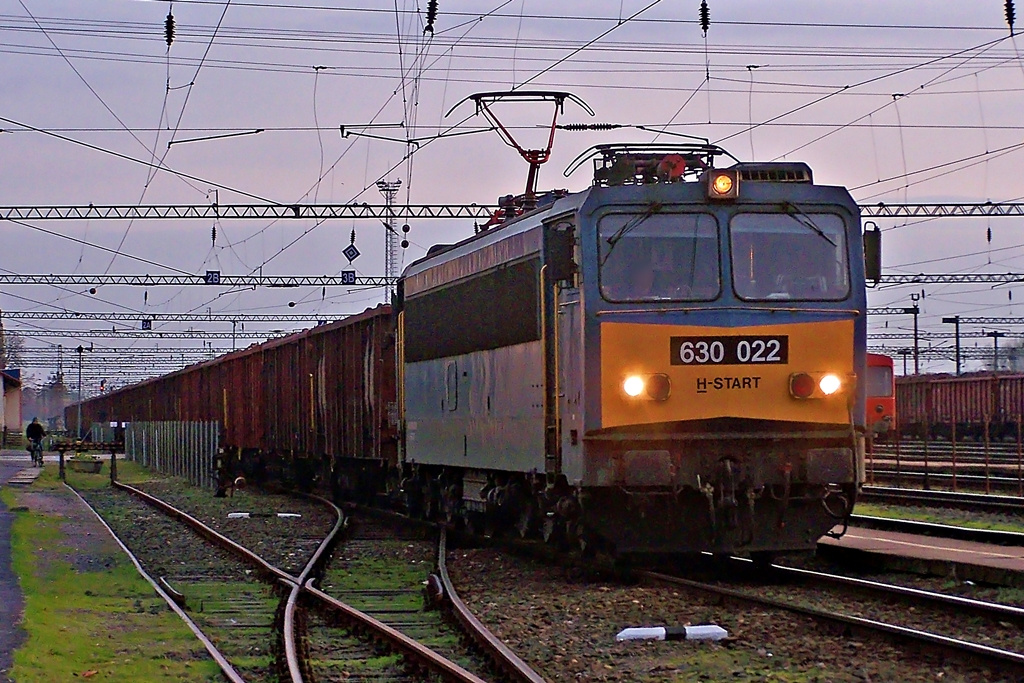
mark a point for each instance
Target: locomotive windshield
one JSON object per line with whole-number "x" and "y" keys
{"x": 791, "y": 256}
{"x": 659, "y": 257}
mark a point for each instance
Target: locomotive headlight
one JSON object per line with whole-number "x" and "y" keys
{"x": 634, "y": 385}
{"x": 724, "y": 184}
{"x": 830, "y": 384}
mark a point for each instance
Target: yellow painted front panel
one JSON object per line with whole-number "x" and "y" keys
{"x": 750, "y": 390}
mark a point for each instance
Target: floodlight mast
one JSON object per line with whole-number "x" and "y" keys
{"x": 534, "y": 157}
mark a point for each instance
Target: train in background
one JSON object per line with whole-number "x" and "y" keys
{"x": 666, "y": 362}
{"x": 961, "y": 406}
{"x": 881, "y": 395}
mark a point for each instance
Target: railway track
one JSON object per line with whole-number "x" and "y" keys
{"x": 317, "y": 627}
{"x": 955, "y": 499}
{"x": 988, "y": 634}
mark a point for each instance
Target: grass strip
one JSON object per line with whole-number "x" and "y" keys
{"x": 87, "y": 612}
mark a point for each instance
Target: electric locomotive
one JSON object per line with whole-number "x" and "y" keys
{"x": 667, "y": 362}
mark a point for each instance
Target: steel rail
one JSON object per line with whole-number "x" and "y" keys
{"x": 988, "y": 609}
{"x": 225, "y": 666}
{"x": 945, "y": 643}
{"x": 214, "y": 536}
{"x": 409, "y": 648}
{"x": 400, "y": 642}
{"x": 506, "y": 660}
{"x": 292, "y": 656}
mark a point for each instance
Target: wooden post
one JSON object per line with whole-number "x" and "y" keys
{"x": 61, "y": 470}
{"x": 113, "y": 463}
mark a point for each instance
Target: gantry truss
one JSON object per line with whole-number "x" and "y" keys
{"x": 410, "y": 211}
{"x": 882, "y": 210}
{"x": 925, "y": 336}
{"x": 146, "y": 334}
{"x": 213, "y": 277}
{"x": 176, "y": 317}
{"x": 942, "y": 352}
{"x": 350, "y": 279}
{"x": 891, "y": 279}
{"x": 894, "y": 310}
{"x": 233, "y": 211}
{"x": 966, "y": 320}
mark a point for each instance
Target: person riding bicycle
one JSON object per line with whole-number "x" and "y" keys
{"x": 35, "y": 433}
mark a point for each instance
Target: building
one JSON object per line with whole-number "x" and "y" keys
{"x": 10, "y": 409}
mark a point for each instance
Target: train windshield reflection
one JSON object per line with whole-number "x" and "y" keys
{"x": 791, "y": 256}
{"x": 659, "y": 257}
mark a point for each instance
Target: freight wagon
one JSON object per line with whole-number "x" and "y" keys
{"x": 939, "y": 404}
{"x": 314, "y": 408}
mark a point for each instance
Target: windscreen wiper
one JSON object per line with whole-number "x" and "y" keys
{"x": 796, "y": 213}
{"x": 629, "y": 226}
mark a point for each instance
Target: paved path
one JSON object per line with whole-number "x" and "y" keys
{"x": 10, "y": 592}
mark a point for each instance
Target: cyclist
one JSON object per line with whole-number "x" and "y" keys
{"x": 35, "y": 433}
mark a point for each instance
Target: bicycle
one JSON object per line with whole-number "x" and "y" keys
{"x": 36, "y": 450}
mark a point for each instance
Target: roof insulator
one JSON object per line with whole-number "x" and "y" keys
{"x": 705, "y": 16}
{"x": 1010, "y": 14}
{"x": 431, "y": 16}
{"x": 169, "y": 28}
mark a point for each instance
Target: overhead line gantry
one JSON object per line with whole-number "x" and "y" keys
{"x": 346, "y": 278}
{"x": 175, "y": 317}
{"x": 412, "y": 211}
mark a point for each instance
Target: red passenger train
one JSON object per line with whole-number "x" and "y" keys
{"x": 881, "y": 395}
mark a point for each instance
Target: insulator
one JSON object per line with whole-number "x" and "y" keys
{"x": 352, "y": 240}
{"x": 213, "y": 235}
{"x": 431, "y": 16}
{"x": 145, "y": 297}
{"x": 405, "y": 244}
{"x": 323, "y": 293}
{"x": 989, "y": 235}
{"x": 705, "y": 17}
{"x": 405, "y": 228}
{"x": 1010, "y": 15}
{"x": 589, "y": 126}
{"x": 169, "y": 29}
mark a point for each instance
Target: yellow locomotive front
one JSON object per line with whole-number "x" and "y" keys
{"x": 708, "y": 363}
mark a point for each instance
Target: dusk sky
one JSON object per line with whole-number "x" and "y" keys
{"x": 898, "y": 101}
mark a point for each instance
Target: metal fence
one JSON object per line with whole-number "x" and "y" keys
{"x": 181, "y": 449}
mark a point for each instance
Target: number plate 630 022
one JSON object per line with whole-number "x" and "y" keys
{"x": 729, "y": 350}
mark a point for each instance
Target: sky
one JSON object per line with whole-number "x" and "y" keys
{"x": 901, "y": 102}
